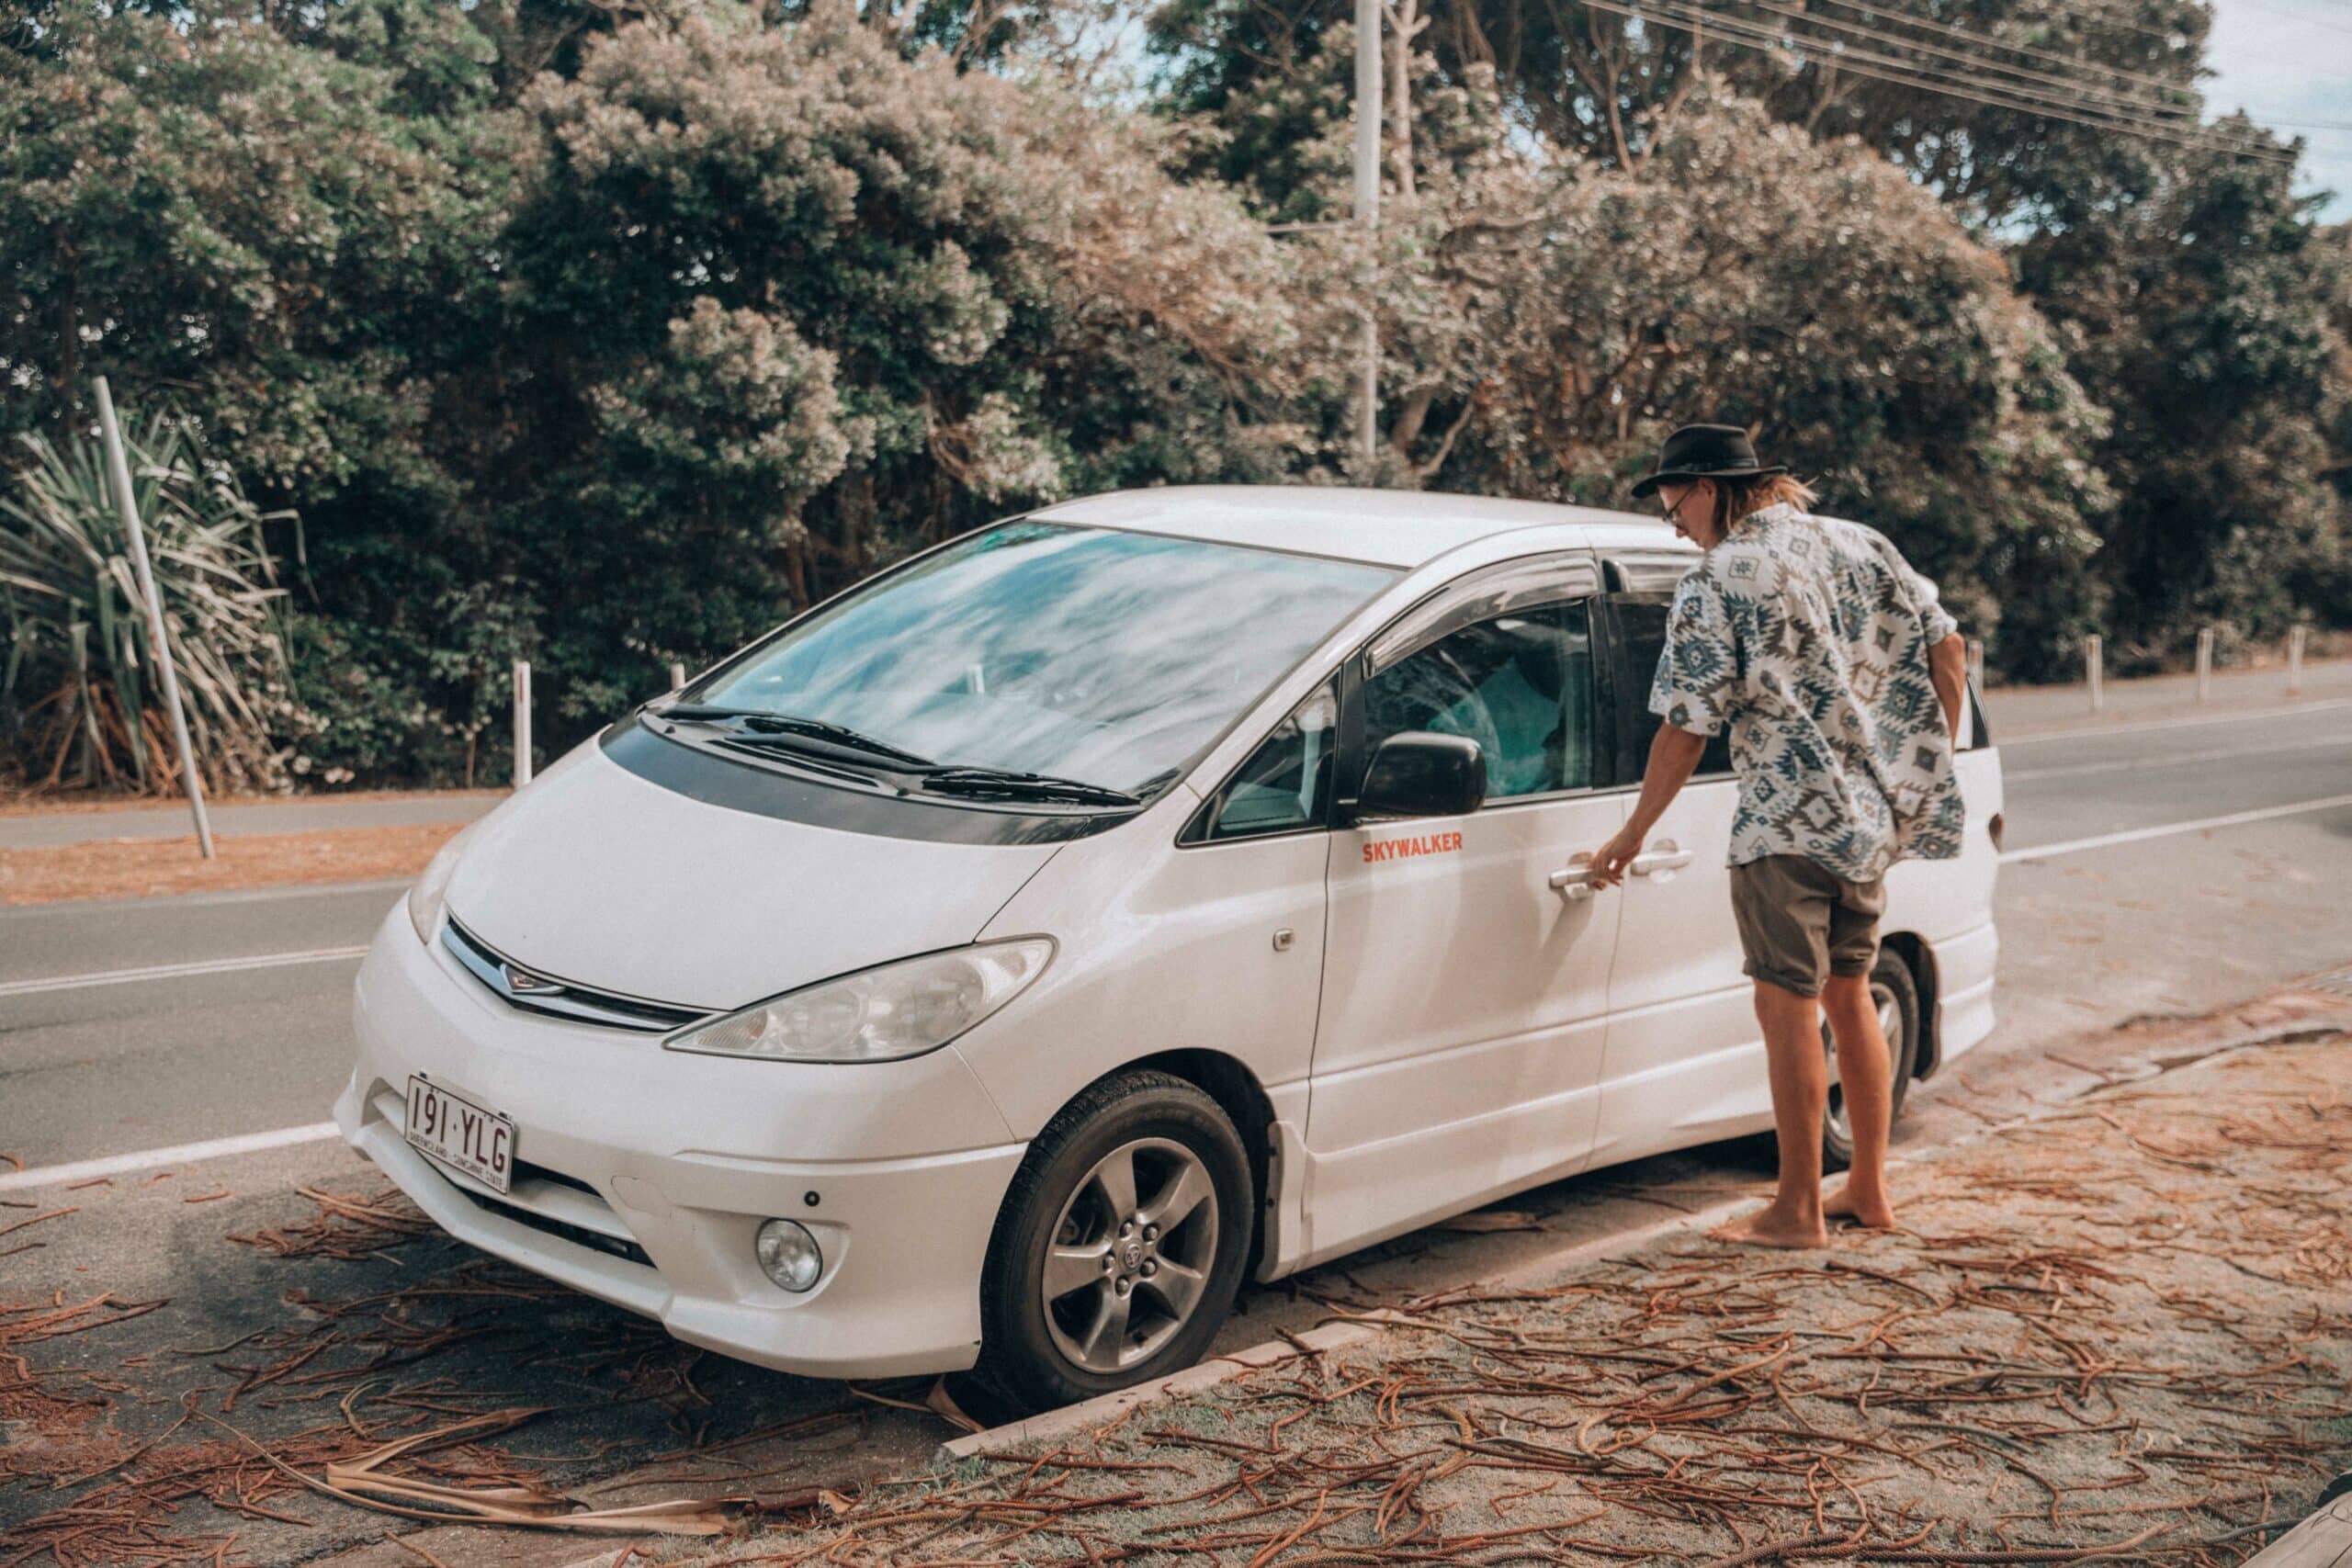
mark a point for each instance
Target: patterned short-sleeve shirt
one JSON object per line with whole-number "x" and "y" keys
{"x": 1809, "y": 636}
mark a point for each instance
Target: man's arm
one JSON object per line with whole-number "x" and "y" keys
{"x": 1674, "y": 756}
{"x": 1947, "y": 666}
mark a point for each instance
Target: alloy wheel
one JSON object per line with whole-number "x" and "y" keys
{"x": 1130, "y": 1255}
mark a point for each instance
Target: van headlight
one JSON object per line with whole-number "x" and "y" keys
{"x": 424, "y": 898}
{"x": 880, "y": 1014}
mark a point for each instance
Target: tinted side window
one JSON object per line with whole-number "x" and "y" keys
{"x": 1521, "y": 685}
{"x": 1287, "y": 783}
{"x": 1641, "y": 619}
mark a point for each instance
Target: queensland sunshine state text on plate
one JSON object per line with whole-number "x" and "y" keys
{"x": 461, "y": 1134}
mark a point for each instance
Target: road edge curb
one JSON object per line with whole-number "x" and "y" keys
{"x": 1103, "y": 1409}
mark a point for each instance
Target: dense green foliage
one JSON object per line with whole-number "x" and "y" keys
{"x": 67, "y": 582}
{"x": 609, "y": 336}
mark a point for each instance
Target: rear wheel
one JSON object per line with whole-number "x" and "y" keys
{"x": 1121, "y": 1244}
{"x": 1895, "y": 996}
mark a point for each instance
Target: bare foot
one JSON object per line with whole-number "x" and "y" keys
{"x": 1768, "y": 1227}
{"x": 1877, "y": 1215}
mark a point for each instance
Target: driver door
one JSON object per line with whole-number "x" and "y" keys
{"x": 1466, "y": 963}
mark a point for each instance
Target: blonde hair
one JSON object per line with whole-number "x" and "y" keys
{"x": 1779, "y": 488}
{"x": 1735, "y": 499}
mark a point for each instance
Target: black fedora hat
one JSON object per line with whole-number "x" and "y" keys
{"x": 1706, "y": 452}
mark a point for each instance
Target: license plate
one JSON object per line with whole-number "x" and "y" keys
{"x": 461, "y": 1134}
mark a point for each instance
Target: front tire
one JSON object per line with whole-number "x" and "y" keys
{"x": 1896, "y": 995}
{"x": 1121, "y": 1244}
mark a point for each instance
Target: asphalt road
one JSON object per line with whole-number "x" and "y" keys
{"x": 2172, "y": 922}
{"x": 117, "y": 1063}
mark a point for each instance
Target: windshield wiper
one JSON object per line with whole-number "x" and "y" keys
{"x": 1012, "y": 785}
{"x": 763, "y": 725}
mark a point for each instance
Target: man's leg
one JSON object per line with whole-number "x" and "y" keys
{"x": 1865, "y": 1076}
{"x": 1800, "y": 1093}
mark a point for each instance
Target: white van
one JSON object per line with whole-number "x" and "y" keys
{"x": 998, "y": 962}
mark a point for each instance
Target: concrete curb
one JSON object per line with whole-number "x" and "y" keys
{"x": 1088, "y": 1413}
{"x": 2321, "y": 1540}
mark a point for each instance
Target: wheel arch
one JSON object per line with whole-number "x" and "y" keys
{"x": 1921, "y": 960}
{"x": 1228, "y": 1081}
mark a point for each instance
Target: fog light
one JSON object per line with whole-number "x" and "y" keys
{"x": 789, "y": 1254}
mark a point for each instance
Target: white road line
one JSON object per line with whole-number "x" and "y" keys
{"x": 180, "y": 1154}
{"x": 197, "y": 901}
{"x": 2091, "y": 731}
{"x": 2176, "y": 760}
{"x": 177, "y": 971}
{"x": 2134, "y": 835}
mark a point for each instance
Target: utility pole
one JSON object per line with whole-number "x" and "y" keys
{"x": 1368, "y": 218}
{"x": 118, "y": 467}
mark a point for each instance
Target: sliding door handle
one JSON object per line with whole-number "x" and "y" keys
{"x": 1575, "y": 881}
{"x": 1661, "y": 859}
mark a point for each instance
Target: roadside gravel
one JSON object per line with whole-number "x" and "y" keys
{"x": 2119, "y": 1329}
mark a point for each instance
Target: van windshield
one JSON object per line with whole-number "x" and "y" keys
{"x": 1085, "y": 653}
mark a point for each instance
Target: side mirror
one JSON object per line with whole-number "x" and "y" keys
{"x": 1421, "y": 773}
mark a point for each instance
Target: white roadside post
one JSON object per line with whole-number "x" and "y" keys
{"x": 118, "y": 465}
{"x": 2095, "y": 666}
{"x": 2295, "y": 636}
{"x": 522, "y": 722}
{"x": 677, "y": 675}
{"x": 1367, "y": 215}
{"x": 2205, "y": 664}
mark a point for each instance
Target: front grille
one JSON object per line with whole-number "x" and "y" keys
{"x": 525, "y": 1171}
{"x": 579, "y": 1235}
{"x": 531, "y": 991}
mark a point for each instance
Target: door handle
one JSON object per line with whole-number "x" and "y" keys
{"x": 1575, "y": 881}
{"x": 1661, "y": 859}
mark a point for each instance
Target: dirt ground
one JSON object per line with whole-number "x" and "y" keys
{"x": 19, "y": 802}
{"x": 2119, "y": 1329}
{"x": 141, "y": 868}
{"x": 2115, "y": 1329}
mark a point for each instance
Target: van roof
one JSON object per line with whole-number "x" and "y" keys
{"x": 1391, "y": 527}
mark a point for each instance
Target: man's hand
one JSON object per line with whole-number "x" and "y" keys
{"x": 1674, "y": 754}
{"x": 1609, "y": 861}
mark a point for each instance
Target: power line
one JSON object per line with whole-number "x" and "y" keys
{"x": 2127, "y": 102}
{"x": 2109, "y": 14}
{"x": 1912, "y": 73}
{"x": 2192, "y": 101}
{"x": 1949, "y": 31}
{"x": 1698, "y": 20}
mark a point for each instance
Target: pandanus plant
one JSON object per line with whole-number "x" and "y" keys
{"x": 78, "y": 673}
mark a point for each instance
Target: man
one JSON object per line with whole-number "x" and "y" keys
{"x": 1821, "y": 649}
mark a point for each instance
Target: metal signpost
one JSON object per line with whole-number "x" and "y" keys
{"x": 119, "y": 467}
{"x": 1367, "y": 215}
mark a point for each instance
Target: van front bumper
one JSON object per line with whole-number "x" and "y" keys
{"x": 642, "y": 1176}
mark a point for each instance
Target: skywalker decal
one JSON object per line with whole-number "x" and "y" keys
{"x": 1425, "y": 844}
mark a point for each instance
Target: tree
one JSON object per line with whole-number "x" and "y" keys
{"x": 787, "y": 304}
{"x": 2200, "y": 317}
{"x": 207, "y": 207}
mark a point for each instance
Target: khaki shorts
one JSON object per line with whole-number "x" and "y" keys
{"x": 1800, "y": 922}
